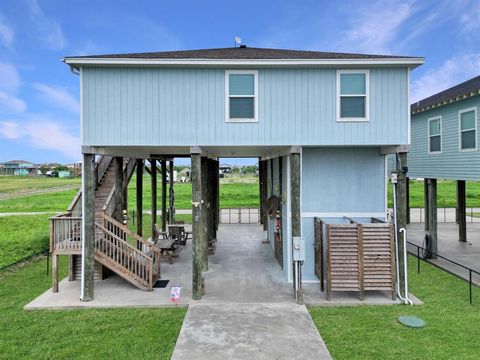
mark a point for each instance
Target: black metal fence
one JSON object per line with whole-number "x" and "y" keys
{"x": 28, "y": 258}
{"x": 471, "y": 276}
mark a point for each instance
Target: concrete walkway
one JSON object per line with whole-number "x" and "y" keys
{"x": 249, "y": 331}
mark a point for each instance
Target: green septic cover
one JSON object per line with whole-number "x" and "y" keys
{"x": 411, "y": 321}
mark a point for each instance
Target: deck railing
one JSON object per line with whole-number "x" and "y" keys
{"x": 65, "y": 234}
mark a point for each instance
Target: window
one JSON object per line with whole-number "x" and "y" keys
{"x": 468, "y": 129}
{"x": 241, "y": 101}
{"x": 435, "y": 135}
{"x": 352, "y": 95}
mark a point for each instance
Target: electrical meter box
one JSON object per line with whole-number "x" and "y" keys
{"x": 298, "y": 248}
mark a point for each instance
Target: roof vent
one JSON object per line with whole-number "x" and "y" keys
{"x": 243, "y": 46}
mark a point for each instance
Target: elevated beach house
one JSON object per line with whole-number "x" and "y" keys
{"x": 445, "y": 146}
{"x": 321, "y": 124}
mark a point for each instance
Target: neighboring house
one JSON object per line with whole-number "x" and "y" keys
{"x": 445, "y": 144}
{"x": 321, "y": 122}
{"x": 18, "y": 168}
{"x": 225, "y": 168}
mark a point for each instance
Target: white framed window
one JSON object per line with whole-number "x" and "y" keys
{"x": 435, "y": 135}
{"x": 353, "y": 87}
{"x": 467, "y": 129}
{"x": 241, "y": 95}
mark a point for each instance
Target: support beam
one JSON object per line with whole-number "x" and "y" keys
{"x": 204, "y": 219}
{"x": 197, "y": 232}
{"x": 119, "y": 194}
{"x": 407, "y": 199}
{"x": 55, "y": 273}
{"x": 153, "y": 173}
{"x": 164, "y": 195}
{"x": 217, "y": 195}
{"x": 171, "y": 209}
{"x": 432, "y": 214}
{"x": 139, "y": 198}
{"x": 296, "y": 220}
{"x": 401, "y": 200}
{"x": 461, "y": 211}
{"x": 88, "y": 227}
{"x": 425, "y": 203}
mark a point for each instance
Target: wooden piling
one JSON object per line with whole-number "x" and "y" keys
{"x": 407, "y": 199}
{"x": 164, "y": 194}
{"x": 119, "y": 193}
{"x": 401, "y": 212}
{"x": 425, "y": 203}
{"x": 197, "y": 233}
{"x": 432, "y": 215}
{"x": 461, "y": 211}
{"x": 88, "y": 224}
{"x": 296, "y": 215}
{"x": 171, "y": 209}
{"x": 153, "y": 175}
{"x": 204, "y": 219}
{"x": 139, "y": 198}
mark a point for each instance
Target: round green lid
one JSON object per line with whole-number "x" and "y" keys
{"x": 411, "y": 321}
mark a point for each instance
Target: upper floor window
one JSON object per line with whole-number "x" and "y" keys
{"x": 352, "y": 95}
{"x": 435, "y": 134}
{"x": 241, "y": 99}
{"x": 468, "y": 129}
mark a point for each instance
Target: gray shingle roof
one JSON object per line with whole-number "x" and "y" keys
{"x": 241, "y": 53}
{"x": 468, "y": 88}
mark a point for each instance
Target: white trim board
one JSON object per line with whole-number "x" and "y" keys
{"x": 342, "y": 214}
{"x": 411, "y": 62}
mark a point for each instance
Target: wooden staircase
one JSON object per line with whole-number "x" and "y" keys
{"x": 116, "y": 247}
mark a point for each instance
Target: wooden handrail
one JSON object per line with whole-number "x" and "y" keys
{"x": 123, "y": 242}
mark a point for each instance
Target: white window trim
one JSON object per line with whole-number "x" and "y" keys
{"x": 367, "y": 95}
{"x": 441, "y": 135}
{"x": 460, "y": 129}
{"x": 228, "y": 96}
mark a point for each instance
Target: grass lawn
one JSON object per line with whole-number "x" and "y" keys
{"x": 52, "y": 202}
{"x": 232, "y": 195}
{"x": 446, "y": 194}
{"x": 72, "y": 334}
{"x": 10, "y": 184}
{"x": 21, "y": 236}
{"x": 372, "y": 332}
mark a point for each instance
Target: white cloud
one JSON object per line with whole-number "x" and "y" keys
{"x": 58, "y": 96}
{"x": 10, "y": 103}
{"x": 376, "y": 26}
{"x": 10, "y": 80}
{"x": 470, "y": 19}
{"x": 6, "y": 33}
{"x": 49, "y": 30}
{"x": 8, "y": 130}
{"x": 43, "y": 133}
{"x": 450, "y": 73}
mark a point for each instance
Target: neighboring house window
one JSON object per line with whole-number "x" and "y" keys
{"x": 241, "y": 95}
{"x": 435, "y": 134}
{"x": 468, "y": 129}
{"x": 352, "y": 95}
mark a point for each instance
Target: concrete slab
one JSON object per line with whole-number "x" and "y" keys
{"x": 243, "y": 270}
{"x": 467, "y": 254}
{"x": 249, "y": 331}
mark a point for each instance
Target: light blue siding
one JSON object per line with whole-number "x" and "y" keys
{"x": 337, "y": 182}
{"x": 451, "y": 163}
{"x": 184, "y": 107}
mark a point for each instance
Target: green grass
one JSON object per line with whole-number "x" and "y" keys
{"x": 446, "y": 194}
{"x": 232, "y": 195}
{"x": 22, "y": 236}
{"x": 10, "y": 184}
{"x": 78, "y": 334}
{"x": 372, "y": 332}
{"x": 51, "y": 202}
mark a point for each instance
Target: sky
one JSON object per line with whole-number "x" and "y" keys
{"x": 39, "y": 96}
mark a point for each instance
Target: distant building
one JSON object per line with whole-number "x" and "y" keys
{"x": 18, "y": 168}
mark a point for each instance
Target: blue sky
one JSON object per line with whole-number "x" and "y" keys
{"x": 39, "y": 106}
